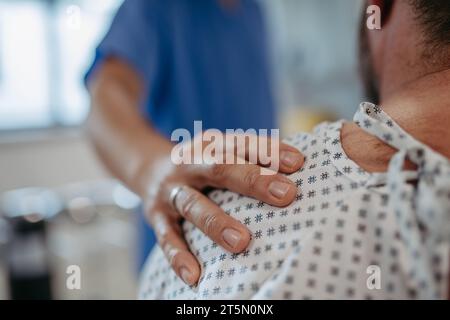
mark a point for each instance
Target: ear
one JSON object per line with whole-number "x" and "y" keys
{"x": 386, "y": 9}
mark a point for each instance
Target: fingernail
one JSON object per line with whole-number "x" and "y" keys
{"x": 231, "y": 237}
{"x": 279, "y": 189}
{"x": 186, "y": 275}
{"x": 290, "y": 159}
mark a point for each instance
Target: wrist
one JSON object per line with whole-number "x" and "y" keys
{"x": 151, "y": 170}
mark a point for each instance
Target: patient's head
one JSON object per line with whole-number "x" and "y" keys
{"x": 414, "y": 41}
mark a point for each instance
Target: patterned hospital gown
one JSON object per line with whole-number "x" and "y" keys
{"x": 349, "y": 234}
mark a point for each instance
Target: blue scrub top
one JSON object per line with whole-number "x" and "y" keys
{"x": 199, "y": 61}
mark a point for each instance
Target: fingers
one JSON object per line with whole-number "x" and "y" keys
{"x": 291, "y": 159}
{"x": 208, "y": 217}
{"x": 258, "y": 150}
{"x": 182, "y": 261}
{"x": 247, "y": 180}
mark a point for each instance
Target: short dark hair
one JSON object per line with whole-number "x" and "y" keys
{"x": 434, "y": 17}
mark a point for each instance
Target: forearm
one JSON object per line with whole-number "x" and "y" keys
{"x": 124, "y": 141}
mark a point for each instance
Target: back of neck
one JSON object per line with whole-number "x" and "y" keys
{"x": 422, "y": 108}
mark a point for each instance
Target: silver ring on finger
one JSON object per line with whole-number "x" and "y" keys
{"x": 173, "y": 196}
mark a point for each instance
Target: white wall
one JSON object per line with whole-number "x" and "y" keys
{"x": 46, "y": 159}
{"x": 315, "y": 54}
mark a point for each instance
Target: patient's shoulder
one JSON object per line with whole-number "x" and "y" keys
{"x": 317, "y": 136}
{"x": 313, "y": 145}
{"x": 317, "y": 169}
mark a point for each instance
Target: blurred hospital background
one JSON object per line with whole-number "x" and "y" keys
{"x": 58, "y": 207}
